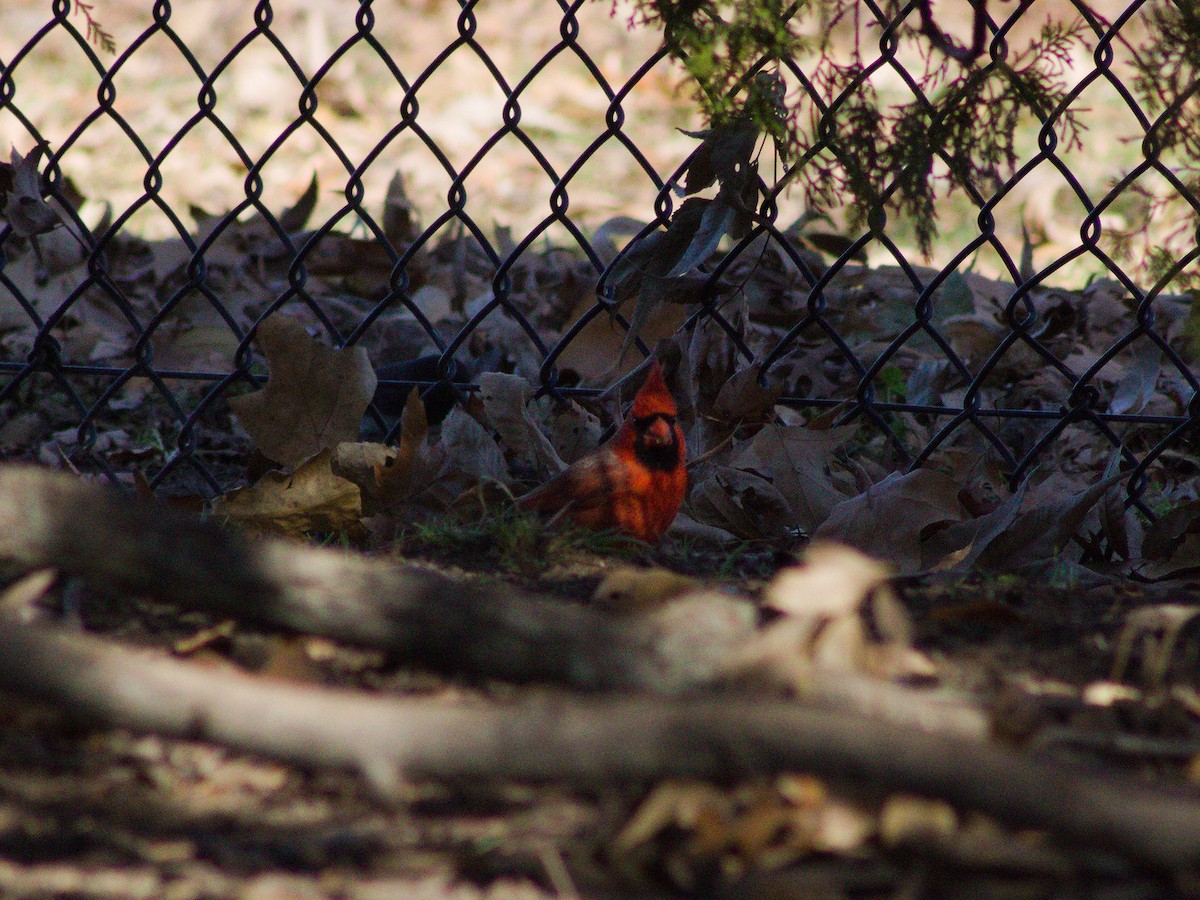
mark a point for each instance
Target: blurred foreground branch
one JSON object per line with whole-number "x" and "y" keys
{"x": 592, "y": 741}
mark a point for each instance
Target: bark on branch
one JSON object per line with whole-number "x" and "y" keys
{"x": 593, "y": 741}
{"x": 51, "y": 519}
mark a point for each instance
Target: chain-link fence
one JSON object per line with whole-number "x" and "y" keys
{"x": 485, "y": 174}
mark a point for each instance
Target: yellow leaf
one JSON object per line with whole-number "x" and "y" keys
{"x": 311, "y": 498}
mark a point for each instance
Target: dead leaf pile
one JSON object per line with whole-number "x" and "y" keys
{"x": 764, "y": 471}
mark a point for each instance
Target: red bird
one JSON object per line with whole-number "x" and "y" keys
{"x": 634, "y": 483}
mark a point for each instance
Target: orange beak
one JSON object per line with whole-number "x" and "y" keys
{"x": 658, "y": 434}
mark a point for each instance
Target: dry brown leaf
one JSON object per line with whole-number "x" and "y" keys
{"x": 797, "y": 460}
{"x": 742, "y": 503}
{"x": 887, "y": 520}
{"x": 190, "y": 344}
{"x": 390, "y": 476}
{"x": 314, "y": 399}
{"x": 1136, "y": 388}
{"x": 393, "y": 478}
{"x": 958, "y": 546}
{"x": 1171, "y": 544}
{"x": 573, "y": 431}
{"x": 594, "y": 351}
{"x": 504, "y": 401}
{"x": 1041, "y": 530}
{"x": 470, "y": 449}
{"x": 25, "y": 210}
{"x": 743, "y": 400}
{"x": 98, "y": 324}
{"x": 400, "y": 220}
{"x": 311, "y": 498}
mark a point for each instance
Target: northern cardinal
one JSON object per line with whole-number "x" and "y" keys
{"x": 634, "y": 483}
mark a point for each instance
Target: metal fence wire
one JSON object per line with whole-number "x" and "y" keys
{"x": 99, "y": 318}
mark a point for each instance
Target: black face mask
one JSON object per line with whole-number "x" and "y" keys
{"x": 655, "y": 456}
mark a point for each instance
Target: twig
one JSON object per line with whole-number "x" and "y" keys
{"x": 963, "y": 55}
{"x": 95, "y": 33}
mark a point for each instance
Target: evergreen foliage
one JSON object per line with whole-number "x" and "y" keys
{"x": 846, "y": 146}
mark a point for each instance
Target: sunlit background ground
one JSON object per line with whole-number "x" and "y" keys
{"x": 562, "y": 111}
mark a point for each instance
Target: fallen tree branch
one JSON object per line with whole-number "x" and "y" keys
{"x": 50, "y": 519}
{"x": 122, "y": 545}
{"x": 593, "y": 741}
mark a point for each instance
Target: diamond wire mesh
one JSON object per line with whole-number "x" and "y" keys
{"x": 38, "y": 358}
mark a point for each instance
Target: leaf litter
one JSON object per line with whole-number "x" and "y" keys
{"x": 852, "y": 566}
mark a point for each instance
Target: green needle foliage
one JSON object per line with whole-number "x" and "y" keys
{"x": 1168, "y": 85}
{"x": 724, "y": 48}
{"x": 1168, "y": 76}
{"x": 845, "y": 146}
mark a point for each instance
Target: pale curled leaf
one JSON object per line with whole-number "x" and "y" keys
{"x": 1154, "y": 631}
{"x": 833, "y": 580}
{"x": 672, "y": 803}
{"x": 470, "y": 449}
{"x": 389, "y": 476}
{"x": 357, "y": 460}
{"x": 504, "y": 401}
{"x": 20, "y": 599}
{"x": 840, "y": 614}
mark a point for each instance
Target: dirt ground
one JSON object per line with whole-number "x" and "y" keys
{"x": 96, "y": 812}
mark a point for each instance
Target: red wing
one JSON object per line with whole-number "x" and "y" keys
{"x": 587, "y": 485}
